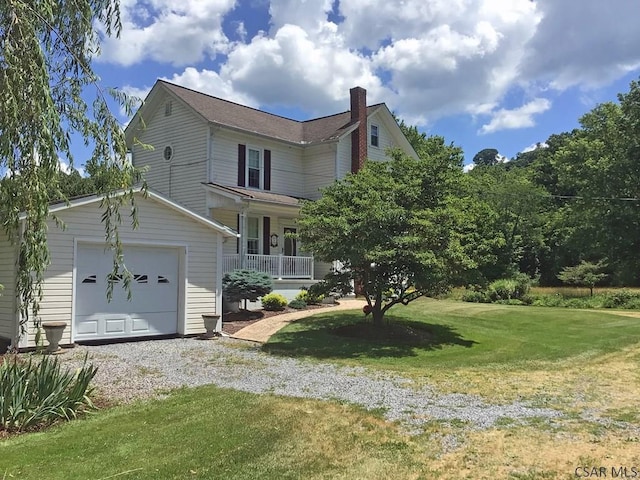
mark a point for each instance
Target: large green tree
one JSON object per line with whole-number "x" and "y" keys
{"x": 599, "y": 164}
{"x": 49, "y": 93}
{"x": 516, "y": 203}
{"x": 487, "y": 157}
{"x": 400, "y": 228}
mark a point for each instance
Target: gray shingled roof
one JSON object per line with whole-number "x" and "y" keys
{"x": 234, "y": 115}
{"x": 259, "y": 195}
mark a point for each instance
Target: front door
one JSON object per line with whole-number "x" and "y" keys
{"x": 290, "y": 247}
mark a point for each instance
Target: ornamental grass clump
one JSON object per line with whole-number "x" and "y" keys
{"x": 38, "y": 393}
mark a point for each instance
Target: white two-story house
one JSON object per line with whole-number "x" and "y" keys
{"x": 248, "y": 169}
{"x": 216, "y": 169}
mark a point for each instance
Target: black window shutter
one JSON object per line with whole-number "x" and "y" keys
{"x": 238, "y": 230}
{"x": 267, "y": 169}
{"x": 242, "y": 164}
{"x": 266, "y": 235}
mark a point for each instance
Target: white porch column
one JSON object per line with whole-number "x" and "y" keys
{"x": 243, "y": 239}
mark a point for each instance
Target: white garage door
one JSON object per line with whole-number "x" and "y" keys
{"x": 153, "y": 308}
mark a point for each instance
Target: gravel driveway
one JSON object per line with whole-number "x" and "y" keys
{"x": 130, "y": 371}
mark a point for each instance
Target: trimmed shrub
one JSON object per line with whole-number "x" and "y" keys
{"x": 310, "y": 296}
{"x": 475, "y": 297}
{"x": 527, "y": 299}
{"x": 297, "y": 304}
{"x": 245, "y": 285}
{"x": 274, "y": 302}
{"x": 34, "y": 394}
{"x": 622, "y": 298}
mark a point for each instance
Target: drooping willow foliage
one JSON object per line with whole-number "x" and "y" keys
{"x": 49, "y": 93}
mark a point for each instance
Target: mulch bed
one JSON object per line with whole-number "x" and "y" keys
{"x": 232, "y": 322}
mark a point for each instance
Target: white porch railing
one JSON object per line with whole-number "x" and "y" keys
{"x": 278, "y": 266}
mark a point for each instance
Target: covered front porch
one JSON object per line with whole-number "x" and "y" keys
{"x": 267, "y": 224}
{"x": 278, "y": 266}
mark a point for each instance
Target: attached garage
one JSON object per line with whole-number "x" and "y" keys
{"x": 174, "y": 258}
{"x": 153, "y": 306}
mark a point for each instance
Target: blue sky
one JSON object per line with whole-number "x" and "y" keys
{"x": 499, "y": 74}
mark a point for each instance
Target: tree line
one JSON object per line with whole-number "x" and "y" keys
{"x": 575, "y": 198}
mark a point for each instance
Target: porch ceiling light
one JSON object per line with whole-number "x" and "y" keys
{"x": 274, "y": 240}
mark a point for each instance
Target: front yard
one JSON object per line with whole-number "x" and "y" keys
{"x": 581, "y": 367}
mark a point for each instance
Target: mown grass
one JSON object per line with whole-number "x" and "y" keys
{"x": 215, "y": 433}
{"x": 461, "y": 335}
{"x": 552, "y": 357}
{"x": 585, "y": 364}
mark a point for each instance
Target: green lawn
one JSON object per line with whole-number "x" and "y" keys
{"x": 571, "y": 360}
{"x": 456, "y": 334}
{"x": 215, "y": 433}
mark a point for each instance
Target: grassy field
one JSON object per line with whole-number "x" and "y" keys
{"x": 462, "y": 335}
{"x": 214, "y": 433}
{"x": 585, "y": 364}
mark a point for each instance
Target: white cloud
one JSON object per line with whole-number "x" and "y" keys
{"x": 310, "y": 15}
{"x": 298, "y": 70}
{"x": 468, "y": 167}
{"x": 208, "y": 81}
{"x": 588, "y": 44}
{"x": 535, "y": 146}
{"x": 241, "y": 31}
{"x": 522, "y": 117}
{"x": 179, "y": 32}
{"x": 66, "y": 168}
{"x": 453, "y": 57}
{"x": 136, "y": 97}
{"x": 426, "y": 59}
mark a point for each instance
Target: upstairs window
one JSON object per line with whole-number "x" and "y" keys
{"x": 254, "y": 168}
{"x": 375, "y": 138}
{"x": 168, "y": 107}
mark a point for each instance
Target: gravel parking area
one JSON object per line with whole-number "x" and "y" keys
{"x": 131, "y": 371}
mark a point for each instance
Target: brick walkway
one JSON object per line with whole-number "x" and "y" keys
{"x": 262, "y": 330}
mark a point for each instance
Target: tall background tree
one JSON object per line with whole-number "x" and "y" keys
{"x": 486, "y": 157}
{"x": 575, "y": 197}
{"x": 46, "y": 49}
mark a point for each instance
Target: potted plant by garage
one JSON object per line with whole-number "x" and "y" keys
{"x": 210, "y": 324}
{"x": 53, "y": 331}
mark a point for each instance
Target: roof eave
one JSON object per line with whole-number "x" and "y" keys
{"x": 222, "y": 229}
{"x": 247, "y": 198}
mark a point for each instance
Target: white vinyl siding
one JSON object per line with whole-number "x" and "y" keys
{"x": 385, "y": 141}
{"x": 286, "y": 162}
{"x": 8, "y": 315}
{"x": 319, "y": 169}
{"x": 230, "y": 219}
{"x": 181, "y": 177}
{"x": 157, "y": 225}
{"x": 344, "y": 156}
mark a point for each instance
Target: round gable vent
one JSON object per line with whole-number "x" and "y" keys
{"x": 168, "y": 153}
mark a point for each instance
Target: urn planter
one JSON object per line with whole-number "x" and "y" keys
{"x": 53, "y": 331}
{"x": 210, "y": 323}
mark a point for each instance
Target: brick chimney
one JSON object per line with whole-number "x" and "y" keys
{"x": 359, "y": 135}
